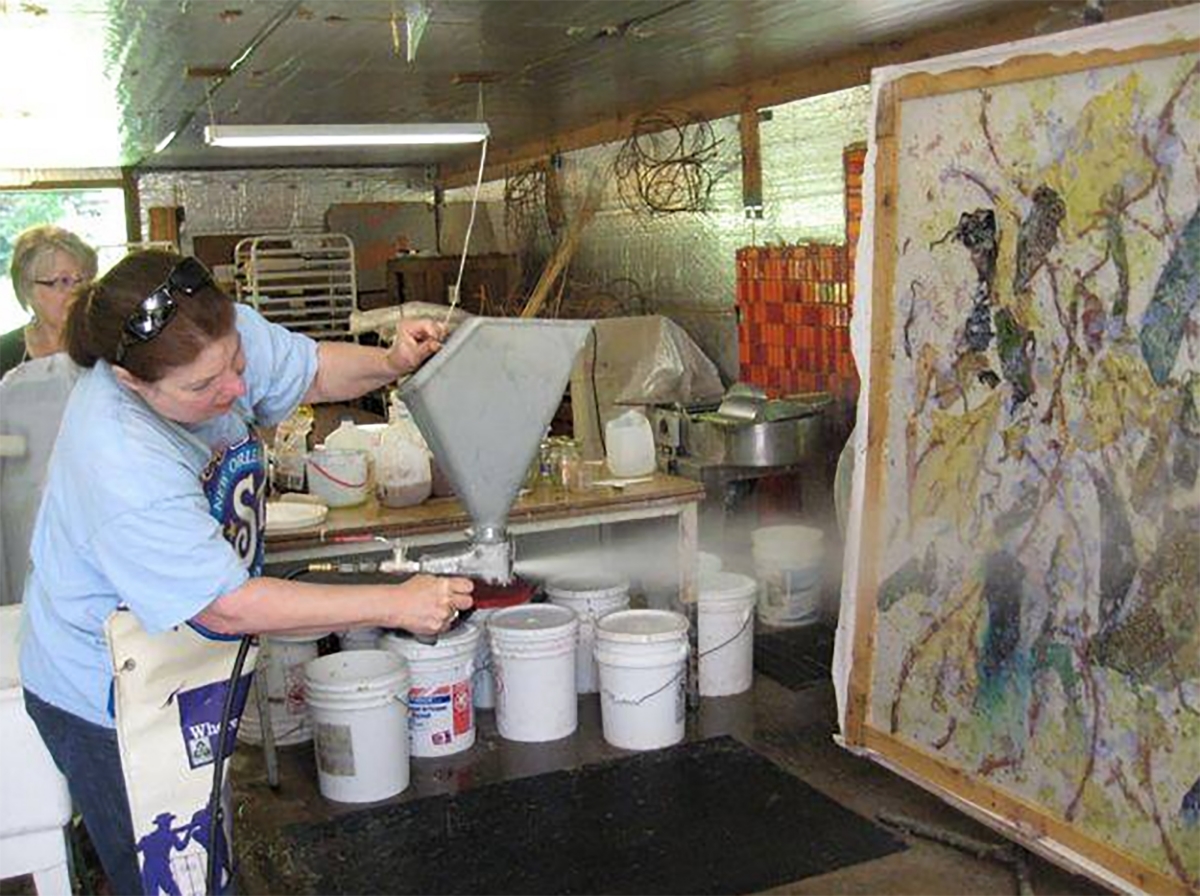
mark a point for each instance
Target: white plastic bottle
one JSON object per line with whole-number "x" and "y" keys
{"x": 403, "y": 475}
{"x": 348, "y": 437}
{"x": 629, "y": 445}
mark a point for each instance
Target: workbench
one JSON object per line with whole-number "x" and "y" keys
{"x": 444, "y": 521}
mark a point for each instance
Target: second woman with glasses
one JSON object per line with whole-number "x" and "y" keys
{"x": 149, "y": 544}
{"x": 49, "y": 264}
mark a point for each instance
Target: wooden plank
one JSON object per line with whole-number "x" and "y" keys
{"x": 752, "y": 186}
{"x": 1029, "y": 68}
{"x": 1025, "y": 821}
{"x": 133, "y": 205}
{"x": 1000, "y": 24}
{"x": 164, "y": 224}
{"x": 886, "y": 192}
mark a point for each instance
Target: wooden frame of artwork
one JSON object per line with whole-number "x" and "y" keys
{"x": 1027, "y": 618}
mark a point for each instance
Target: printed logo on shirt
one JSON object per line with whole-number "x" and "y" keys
{"x": 200, "y": 719}
{"x": 235, "y": 483}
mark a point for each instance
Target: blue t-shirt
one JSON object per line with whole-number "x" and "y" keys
{"x": 124, "y": 518}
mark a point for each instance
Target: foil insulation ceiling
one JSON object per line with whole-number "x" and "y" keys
{"x": 132, "y": 83}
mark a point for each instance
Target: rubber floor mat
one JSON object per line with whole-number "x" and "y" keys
{"x": 705, "y": 817}
{"x": 797, "y": 658}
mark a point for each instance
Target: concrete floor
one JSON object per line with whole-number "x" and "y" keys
{"x": 793, "y": 729}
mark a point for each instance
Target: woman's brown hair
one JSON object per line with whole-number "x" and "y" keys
{"x": 96, "y": 321}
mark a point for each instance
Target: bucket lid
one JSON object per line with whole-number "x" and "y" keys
{"x": 491, "y": 596}
{"x": 641, "y": 626}
{"x": 355, "y": 669}
{"x": 533, "y": 618}
{"x": 786, "y": 535}
{"x": 297, "y": 639}
{"x": 458, "y": 640}
{"x": 726, "y": 587}
{"x": 582, "y": 587}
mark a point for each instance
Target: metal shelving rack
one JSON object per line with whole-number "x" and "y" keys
{"x": 304, "y": 281}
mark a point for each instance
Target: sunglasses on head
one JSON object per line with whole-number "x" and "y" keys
{"x": 155, "y": 311}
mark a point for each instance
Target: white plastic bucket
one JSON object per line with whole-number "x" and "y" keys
{"x": 708, "y": 563}
{"x": 533, "y": 660}
{"x": 360, "y": 639}
{"x": 441, "y": 719}
{"x": 338, "y": 477}
{"x": 360, "y": 724}
{"x": 725, "y": 633}
{"x": 642, "y": 656}
{"x": 591, "y": 598}
{"x": 281, "y": 661}
{"x": 787, "y": 560}
{"x": 483, "y": 686}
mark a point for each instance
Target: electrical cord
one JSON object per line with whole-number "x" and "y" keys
{"x": 595, "y": 392}
{"x": 216, "y": 811}
{"x": 462, "y": 264}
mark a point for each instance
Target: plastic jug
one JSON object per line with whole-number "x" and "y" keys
{"x": 629, "y": 445}
{"x": 348, "y": 437}
{"x": 403, "y": 475}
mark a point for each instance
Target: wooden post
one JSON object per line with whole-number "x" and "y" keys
{"x": 133, "y": 206}
{"x": 752, "y": 195}
{"x": 164, "y": 224}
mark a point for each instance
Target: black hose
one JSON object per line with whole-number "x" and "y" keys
{"x": 216, "y": 812}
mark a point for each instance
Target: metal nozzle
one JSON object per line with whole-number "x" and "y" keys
{"x": 489, "y": 558}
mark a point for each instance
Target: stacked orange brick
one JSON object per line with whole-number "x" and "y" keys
{"x": 794, "y": 311}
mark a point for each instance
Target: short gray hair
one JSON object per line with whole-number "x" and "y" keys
{"x": 35, "y": 245}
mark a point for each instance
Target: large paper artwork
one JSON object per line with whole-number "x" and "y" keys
{"x": 1032, "y": 520}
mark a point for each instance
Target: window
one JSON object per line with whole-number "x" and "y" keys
{"x": 96, "y": 215}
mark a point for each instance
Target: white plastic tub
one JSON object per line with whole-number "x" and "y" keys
{"x": 533, "y": 656}
{"x": 642, "y": 656}
{"x": 591, "y": 597}
{"x": 441, "y": 717}
{"x": 356, "y": 700}
{"x": 725, "y": 633}
{"x": 788, "y": 561}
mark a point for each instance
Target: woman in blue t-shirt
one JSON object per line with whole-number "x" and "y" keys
{"x": 154, "y": 504}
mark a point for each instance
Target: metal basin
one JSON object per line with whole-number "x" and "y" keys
{"x": 711, "y": 440}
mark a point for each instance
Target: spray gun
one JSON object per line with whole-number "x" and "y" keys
{"x": 488, "y": 556}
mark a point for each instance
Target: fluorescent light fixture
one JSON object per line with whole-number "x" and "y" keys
{"x": 295, "y": 135}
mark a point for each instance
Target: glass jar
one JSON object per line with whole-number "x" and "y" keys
{"x": 570, "y": 465}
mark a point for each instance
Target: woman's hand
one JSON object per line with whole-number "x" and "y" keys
{"x": 428, "y": 605}
{"x": 415, "y": 341}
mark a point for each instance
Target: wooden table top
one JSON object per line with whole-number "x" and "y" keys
{"x": 448, "y": 514}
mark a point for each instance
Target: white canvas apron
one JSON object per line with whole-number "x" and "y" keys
{"x": 169, "y": 691}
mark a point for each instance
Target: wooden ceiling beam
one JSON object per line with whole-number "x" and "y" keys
{"x": 1005, "y": 22}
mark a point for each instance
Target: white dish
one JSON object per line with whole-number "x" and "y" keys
{"x": 294, "y": 516}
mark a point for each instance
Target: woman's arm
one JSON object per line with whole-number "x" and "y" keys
{"x": 346, "y": 370}
{"x": 422, "y": 605}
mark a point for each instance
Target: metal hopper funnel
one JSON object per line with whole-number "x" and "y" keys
{"x": 483, "y": 404}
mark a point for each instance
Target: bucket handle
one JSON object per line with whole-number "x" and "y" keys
{"x": 638, "y": 701}
{"x": 320, "y": 469}
{"x": 728, "y": 641}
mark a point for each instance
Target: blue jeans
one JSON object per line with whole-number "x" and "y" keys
{"x": 89, "y": 758}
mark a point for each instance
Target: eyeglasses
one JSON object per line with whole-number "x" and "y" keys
{"x": 156, "y": 310}
{"x": 62, "y": 283}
